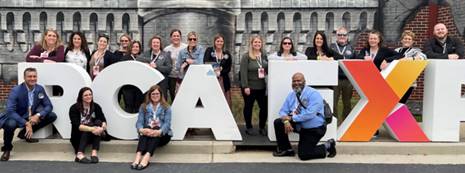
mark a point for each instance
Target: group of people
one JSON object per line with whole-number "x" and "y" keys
{"x": 29, "y": 107}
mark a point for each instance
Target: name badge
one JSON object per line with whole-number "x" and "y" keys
{"x": 261, "y": 73}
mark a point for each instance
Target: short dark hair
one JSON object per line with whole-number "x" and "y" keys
{"x": 29, "y": 69}
{"x": 175, "y": 30}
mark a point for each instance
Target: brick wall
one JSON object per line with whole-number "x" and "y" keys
{"x": 5, "y": 91}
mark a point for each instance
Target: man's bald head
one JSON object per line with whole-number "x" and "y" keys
{"x": 440, "y": 31}
{"x": 298, "y": 82}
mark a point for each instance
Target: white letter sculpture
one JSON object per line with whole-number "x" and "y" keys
{"x": 317, "y": 73}
{"x": 443, "y": 105}
{"x": 201, "y": 83}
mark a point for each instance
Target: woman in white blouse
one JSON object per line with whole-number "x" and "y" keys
{"x": 77, "y": 51}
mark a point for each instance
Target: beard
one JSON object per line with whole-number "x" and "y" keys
{"x": 297, "y": 89}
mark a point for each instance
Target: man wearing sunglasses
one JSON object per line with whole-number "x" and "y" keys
{"x": 344, "y": 51}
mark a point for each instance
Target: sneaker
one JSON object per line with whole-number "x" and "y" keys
{"x": 332, "y": 148}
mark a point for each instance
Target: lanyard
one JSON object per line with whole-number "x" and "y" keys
{"x": 444, "y": 48}
{"x": 372, "y": 55}
{"x": 218, "y": 60}
{"x": 156, "y": 57}
{"x": 259, "y": 61}
{"x": 341, "y": 52}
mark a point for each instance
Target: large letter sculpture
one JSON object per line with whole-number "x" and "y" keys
{"x": 443, "y": 105}
{"x": 380, "y": 93}
{"x": 68, "y": 76}
{"x": 200, "y": 83}
{"x": 317, "y": 73}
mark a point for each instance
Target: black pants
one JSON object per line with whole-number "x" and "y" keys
{"x": 172, "y": 87}
{"x": 260, "y": 96}
{"x": 164, "y": 87}
{"x": 308, "y": 140}
{"x": 149, "y": 144}
{"x": 10, "y": 126}
{"x": 132, "y": 98}
{"x": 89, "y": 138}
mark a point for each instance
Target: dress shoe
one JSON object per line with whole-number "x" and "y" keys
{"x": 84, "y": 160}
{"x": 332, "y": 148}
{"x": 284, "y": 153}
{"x": 250, "y": 132}
{"x": 142, "y": 167}
{"x": 30, "y": 140}
{"x": 263, "y": 132}
{"x": 94, "y": 159}
{"x": 5, "y": 156}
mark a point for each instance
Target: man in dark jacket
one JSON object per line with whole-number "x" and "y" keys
{"x": 443, "y": 46}
{"x": 28, "y": 106}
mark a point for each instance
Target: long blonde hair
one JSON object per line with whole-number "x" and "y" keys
{"x": 147, "y": 99}
{"x": 251, "y": 52}
{"x": 43, "y": 42}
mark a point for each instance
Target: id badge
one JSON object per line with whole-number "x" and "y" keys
{"x": 44, "y": 55}
{"x": 261, "y": 73}
{"x": 95, "y": 70}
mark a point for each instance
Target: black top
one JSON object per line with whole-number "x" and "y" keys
{"x": 225, "y": 64}
{"x": 383, "y": 54}
{"x": 435, "y": 49}
{"x": 310, "y": 52}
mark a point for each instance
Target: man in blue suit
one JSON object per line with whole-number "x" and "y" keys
{"x": 28, "y": 107}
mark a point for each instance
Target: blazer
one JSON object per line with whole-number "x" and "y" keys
{"x": 163, "y": 62}
{"x": 164, "y": 114}
{"x": 18, "y": 101}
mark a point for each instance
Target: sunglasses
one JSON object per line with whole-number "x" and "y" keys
{"x": 288, "y": 43}
{"x": 192, "y": 39}
{"x": 341, "y": 35}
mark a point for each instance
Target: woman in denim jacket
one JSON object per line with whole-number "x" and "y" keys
{"x": 153, "y": 125}
{"x": 192, "y": 54}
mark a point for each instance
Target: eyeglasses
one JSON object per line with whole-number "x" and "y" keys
{"x": 341, "y": 35}
{"x": 288, "y": 43}
{"x": 124, "y": 40}
{"x": 192, "y": 39}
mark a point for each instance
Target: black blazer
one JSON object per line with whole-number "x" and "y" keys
{"x": 75, "y": 117}
{"x": 384, "y": 53}
{"x": 225, "y": 64}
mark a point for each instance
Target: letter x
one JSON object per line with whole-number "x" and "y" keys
{"x": 380, "y": 94}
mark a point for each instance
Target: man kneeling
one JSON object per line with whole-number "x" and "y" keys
{"x": 303, "y": 113}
